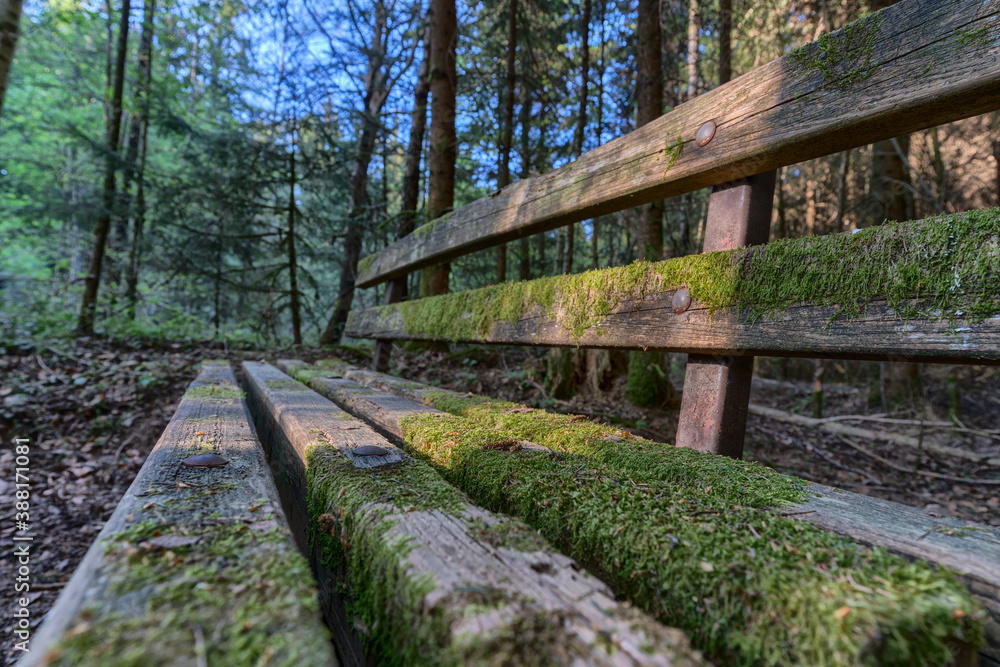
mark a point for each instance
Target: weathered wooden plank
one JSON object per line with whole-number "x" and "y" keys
{"x": 924, "y": 290}
{"x": 801, "y": 331}
{"x": 972, "y": 550}
{"x": 843, "y": 513}
{"x": 196, "y": 565}
{"x": 469, "y": 585}
{"x": 713, "y": 415}
{"x": 916, "y": 64}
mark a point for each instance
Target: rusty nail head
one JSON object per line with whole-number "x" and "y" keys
{"x": 705, "y": 133}
{"x": 369, "y": 450}
{"x": 682, "y": 301}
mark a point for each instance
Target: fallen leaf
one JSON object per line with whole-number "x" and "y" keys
{"x": 842, "y": 612}
{"x": 707, "y": 567}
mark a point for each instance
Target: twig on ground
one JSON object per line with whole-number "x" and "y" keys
{"x": 925, "y": 473}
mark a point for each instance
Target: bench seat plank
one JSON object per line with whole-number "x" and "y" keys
{"x": 971, "y": 550}
{"x": 196, "y": 565}
{"x": 436, "y": 579}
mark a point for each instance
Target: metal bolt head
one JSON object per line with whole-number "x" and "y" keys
{"x": 682, "y": 301}
{"x": 369, "y": 450}
{"x": 205, "y": 461}
{"x": 705, "y": 133}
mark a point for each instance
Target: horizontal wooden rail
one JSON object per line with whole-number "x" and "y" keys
{"x": 435, "y": 579}
{"x": 596, "y": 468}
{"x": 924, "y": 290}
{"x": 196, "y": 565}
{"x": 914, "y": 65}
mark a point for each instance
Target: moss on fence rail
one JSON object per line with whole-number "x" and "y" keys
{"x": 944, "y": 267}
{"x": 700, "y": 541}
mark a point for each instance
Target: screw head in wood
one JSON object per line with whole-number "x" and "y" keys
{"x": 682, "y": 301}
{"x": 369, "y": 450}
{"x": 205, "y": 461}
{"x": 705, "y": 133}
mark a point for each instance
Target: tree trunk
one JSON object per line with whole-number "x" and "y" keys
{"x": 725, "y": 41}
{"x": 581, "y": 120}
{"x": 293, "y": 284}
{"x": 845, "y": 165}
{"x": 88, "y": 304}
{"x": 442, "y": 149}
{"x": 396, "y": 290}
{"x": 996, "y": 158}
{"x": 692, "y": 90}
{"x": 649, "y": 107}
{"x": 142, "y": 118}
{"x": 648, "y": 385}
{"x": 525, "y": 121}
{"x": 374, "y": 97}
{"x": 503, "y": 176}
{"x": 10, "y": 18}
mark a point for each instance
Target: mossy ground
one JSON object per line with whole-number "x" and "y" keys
{"x": 944, "y": 267}
{"x": 235, "y": 597}
{"x": 700, "y": 541}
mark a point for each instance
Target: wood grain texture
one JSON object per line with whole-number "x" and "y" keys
{"x": 926, "y": 67}
{"x": 176, "y": 498}
{"x": 442, "y": 548}
{"x": 800, "y": 331}
{"x": 971, "y": 550}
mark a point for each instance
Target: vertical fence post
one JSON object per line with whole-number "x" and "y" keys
{"x": 717, "y": 388}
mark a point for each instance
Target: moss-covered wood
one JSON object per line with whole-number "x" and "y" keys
{"x": 196, "y": 565}
{"x": 913, "y": 65}
{"x": 971, "y": 550}
{"x": 926, "y": 289}
{"x": 434, "y": 579}
{"x": 713, "y": 545}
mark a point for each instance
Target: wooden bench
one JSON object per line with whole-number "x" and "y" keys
{"x": 969, "y": 549}
{"x": 433, "y": 578}
{"x": 196, "y": 565}
{"x": 871, "y": 295}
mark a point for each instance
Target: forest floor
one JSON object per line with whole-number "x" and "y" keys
{"x": 94, "y": 410}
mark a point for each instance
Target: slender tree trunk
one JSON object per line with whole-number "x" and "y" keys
{"x": 10, "y": 19}
{"x": 88, "y": 304}
{"x": 780, "y": 206}
{"x": 648, "y": 384}
{"x": 725, "y": 41}
{"x": 293, "y": 284}
{"x": 374, "y": 97}
{"x": 525, "y": 121}
{"x": 595, "y": 243}
{"x": 939, "y": 172}
{"x": 142, "y": 118}
{"x": 503, "y": 176}
{"x": 845, "y": 165}
{"x": 693, "y": 25}
{"x": 996, "y": 158}
{"x": 649, "y": 107}
{"x": 396, "y": 290}
{"x": 581, "y": 120}
{"x": 442, "y": 150}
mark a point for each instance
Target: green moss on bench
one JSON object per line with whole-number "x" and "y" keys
{"x": 222, "y": 392}
{"x": 239, "y": 592}
{"x": 350, "y": 514}
{"x": 700, "y": 541}
{"x": 944, "y": 267}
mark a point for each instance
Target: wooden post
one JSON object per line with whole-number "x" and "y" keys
{"x": 717, "y": 388}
